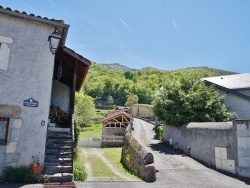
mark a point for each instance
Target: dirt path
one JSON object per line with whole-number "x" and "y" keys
{"x": 98, "y": 153}
{"x": 110, "y": 166}
{"x": 88, "y": 166}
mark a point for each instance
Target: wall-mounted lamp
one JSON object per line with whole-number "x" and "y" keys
{"x": 54, "y": 40}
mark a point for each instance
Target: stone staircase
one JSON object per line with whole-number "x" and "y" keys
{"x": 58, "y": 155}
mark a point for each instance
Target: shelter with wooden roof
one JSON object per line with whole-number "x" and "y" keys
{"x": 114, "y": 126}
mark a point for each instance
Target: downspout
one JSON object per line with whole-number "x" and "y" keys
{"x": 72, "y": 101}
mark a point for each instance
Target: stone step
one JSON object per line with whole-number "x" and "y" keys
{"x": 52, "y": 125}
{"x": 58, "y": 146}
{"x": 58, "y": 154}
{"x": 61, "y": 177}
{"x": 56, "y": 129}
{"x": 54, "y": 159}
{"x": 57, "y": 169}
{"x": 59, "y": 136}
{"x": 60, "y": 141}
{"x": 62, "y": 163}
{"x": 58, "y": 151}
{"x": 59, "y": 133}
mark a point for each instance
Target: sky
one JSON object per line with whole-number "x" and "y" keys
{"x": 164, "y": 34}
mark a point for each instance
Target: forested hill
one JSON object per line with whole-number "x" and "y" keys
{"x": 115, "y": 82}
{"x": 119, "y": 67}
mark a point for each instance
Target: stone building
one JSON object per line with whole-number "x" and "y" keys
{"x": 31, "y": 79}
{"x": 142, "y": 110}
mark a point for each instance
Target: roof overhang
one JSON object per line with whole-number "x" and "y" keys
{"x": 71, "y": 61}
{"x": 232, "y": 91}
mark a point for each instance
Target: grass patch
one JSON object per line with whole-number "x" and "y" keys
{"x": 114, "y": 156}
{"x": 91, "y": 131}
{"x": 99, "y": 168}
{"x": 80, "y": 173}
{"x": 101, "y": 113}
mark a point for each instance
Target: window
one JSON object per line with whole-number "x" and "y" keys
{"x": 4, "y": 127}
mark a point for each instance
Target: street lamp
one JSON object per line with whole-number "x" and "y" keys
{"x": 54, "y": 40}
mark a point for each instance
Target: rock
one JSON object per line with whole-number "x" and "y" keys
{"x": 150, "y": 173}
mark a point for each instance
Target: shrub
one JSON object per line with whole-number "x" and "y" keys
{"x": 80, "y": 173}
{"x": 185, "y": 101}
{"x": 159, "y": 132}
{"x": 76, "y": 134}
{"x": 20, "y": 174}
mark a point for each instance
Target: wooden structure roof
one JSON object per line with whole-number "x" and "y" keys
{"x": 70, "y": 62}
{"x": 117, "y": 116}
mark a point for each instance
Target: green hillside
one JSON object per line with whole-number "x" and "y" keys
{"x": 113, "y": 83}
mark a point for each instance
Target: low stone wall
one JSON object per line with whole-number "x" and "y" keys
{"x": 90, "y": 143}
{"x": 137, "y": 159}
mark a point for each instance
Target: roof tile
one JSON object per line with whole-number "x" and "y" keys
{"x": 31, "y": 15}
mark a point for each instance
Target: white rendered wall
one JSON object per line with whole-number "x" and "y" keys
{"x": 28, "y": 75}
{"x": 238, "y": 105}
{"x": 61, "y": 95}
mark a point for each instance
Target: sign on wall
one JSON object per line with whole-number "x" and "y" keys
{"x": 30, "y": 102}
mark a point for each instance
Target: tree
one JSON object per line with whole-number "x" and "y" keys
{"x": 84, "y": 109}
{"x": 131, "y": 99}
{"x": 184, "y": 101}
{"x": 128, "y": 75}
{"x": 110, "y": 100}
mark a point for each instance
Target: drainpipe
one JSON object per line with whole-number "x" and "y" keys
{"x": 72, "y": 101}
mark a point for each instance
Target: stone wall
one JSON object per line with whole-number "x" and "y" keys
{"x": 224, "y": 145}
{"x": 243, "y": 147}
{"x": 9, "y": 156}
{"x": 137, "y": 159}
{"x": 144, "y": 110}
{"x": 113, "y": 136}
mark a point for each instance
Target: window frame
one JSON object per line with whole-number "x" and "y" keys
{"x": 5, "y": 119}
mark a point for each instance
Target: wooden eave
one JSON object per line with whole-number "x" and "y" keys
{"x": 69, "y": 61}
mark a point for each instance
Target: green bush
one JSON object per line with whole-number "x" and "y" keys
{"x": 183, "y": 101}
{"x": 76, "y": 134}
{"x": 80, "y": 173}
{"x": 159, "y": 132}
{"x": 20, "y": 174}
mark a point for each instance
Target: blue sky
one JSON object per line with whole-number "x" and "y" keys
{"x": 164, "y": 34}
